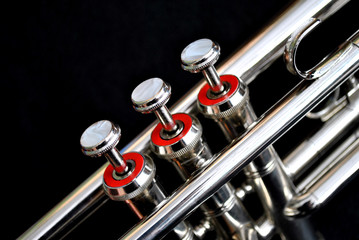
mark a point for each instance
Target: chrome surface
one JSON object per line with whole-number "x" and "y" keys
{"x": 116, "y": 160}
{"x": 290, "y": 52}
{"x": 332, "y": 177}
{"x": 165, "y": 118}
{"x": 265, "y": 173}
{"x": 256, "y": 56}
{"x": 151, "y": 96}
{"x": 142, "y": 193}
{"x": 311, "y": 149}
{"x": 247, "y": 63}
{"x": 183, "y": 146}
{"x": 223, "y": 208}
{"x": 201, "y": 55}
{"x": 135, "y": 187}
{"x": 101, "y": 138}
{"x": 240, "y": 152}
{"x": 330, "y": 161}
{"x": 322, "y": 67}
{"x": 228, "y": 107}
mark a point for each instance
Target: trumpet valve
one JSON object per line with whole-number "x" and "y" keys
{"x": 177, "y": 142}
{"x": 200, "y": 56}
{"x": 127, "y": 175}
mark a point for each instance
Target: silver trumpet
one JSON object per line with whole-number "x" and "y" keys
{"x": 219, "y": 176}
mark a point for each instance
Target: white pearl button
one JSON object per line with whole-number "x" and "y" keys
{"x": 147, "y": 90}
{"x": 196, "y": 50}
{"x": 96, "y": 133}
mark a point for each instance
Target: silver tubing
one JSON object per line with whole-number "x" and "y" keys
{"x": 147, "y": 200}
{"x": 267, "y": 46}
{"x": 265, "y": 228}
{"x": 240, "y": 152}
{"x": 334, "y": 158}
{"x": 89, "y": 194}
{"x": 341, "y": 168}
{"x": 311, "y": 149}
{"x": 303, "y": 156}
{"x": 223, "y": 210}
{"x": 248, "y": 62}
{"x": 252, "y": 59}
{"x": 275, "y": 189}
{"x": 224, "y": 207}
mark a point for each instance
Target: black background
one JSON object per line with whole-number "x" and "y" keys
{"x": 67, "y": 64}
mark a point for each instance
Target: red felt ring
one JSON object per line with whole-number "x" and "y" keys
{"x": 156, "y": 133}
{"x": 111, "y": 182}
{"x": 202, "y": 95}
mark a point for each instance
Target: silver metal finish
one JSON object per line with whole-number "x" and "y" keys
{"x": 223, "y": 208}
{"x": 189, "y": 153}
{"x": 185, "y": 146}
{"x": 165, "y": 118}
{"x": 142, "y": 194}
{"x": 266, "y": 172}
{"x": 234, "y": 115}
{"x": 242, "y": 151}
{"x": 343, "y": 166}
{"x": 272, "y": 184}
{"x": 333, "y": 159}
{"x": 331, "y": 107}
{"x": 211, "y": 75}
{"x": 248, "y": 62}
{"x": 291, "y": 47}
{"x": 100, "y": 139}
{"x": 275, "y": 189}
{"x": 231, "y": 214}
{"x": 201, "y": 55}
{"x": 256, "y": 56}
{"x": 151, "y": 96}
{"x": 322, "y": 67}
{"x": 310, "y": 150}
{"x": 137, "y": 187}
{"x": 228, "y": 107}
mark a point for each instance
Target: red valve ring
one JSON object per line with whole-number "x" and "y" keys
{"x": 111, "y": 182}
{"x": 156, "y": 133}
{"x": 202, "y": 95}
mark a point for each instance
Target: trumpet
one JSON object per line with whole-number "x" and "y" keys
{"x": 219, "y": 174}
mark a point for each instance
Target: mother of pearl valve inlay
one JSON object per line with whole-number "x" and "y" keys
{"x": 151, "y": 96}
{"x": 100, "y": 139}
{"x": 96, "y": 133}
{"x": 201, "y": 55}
